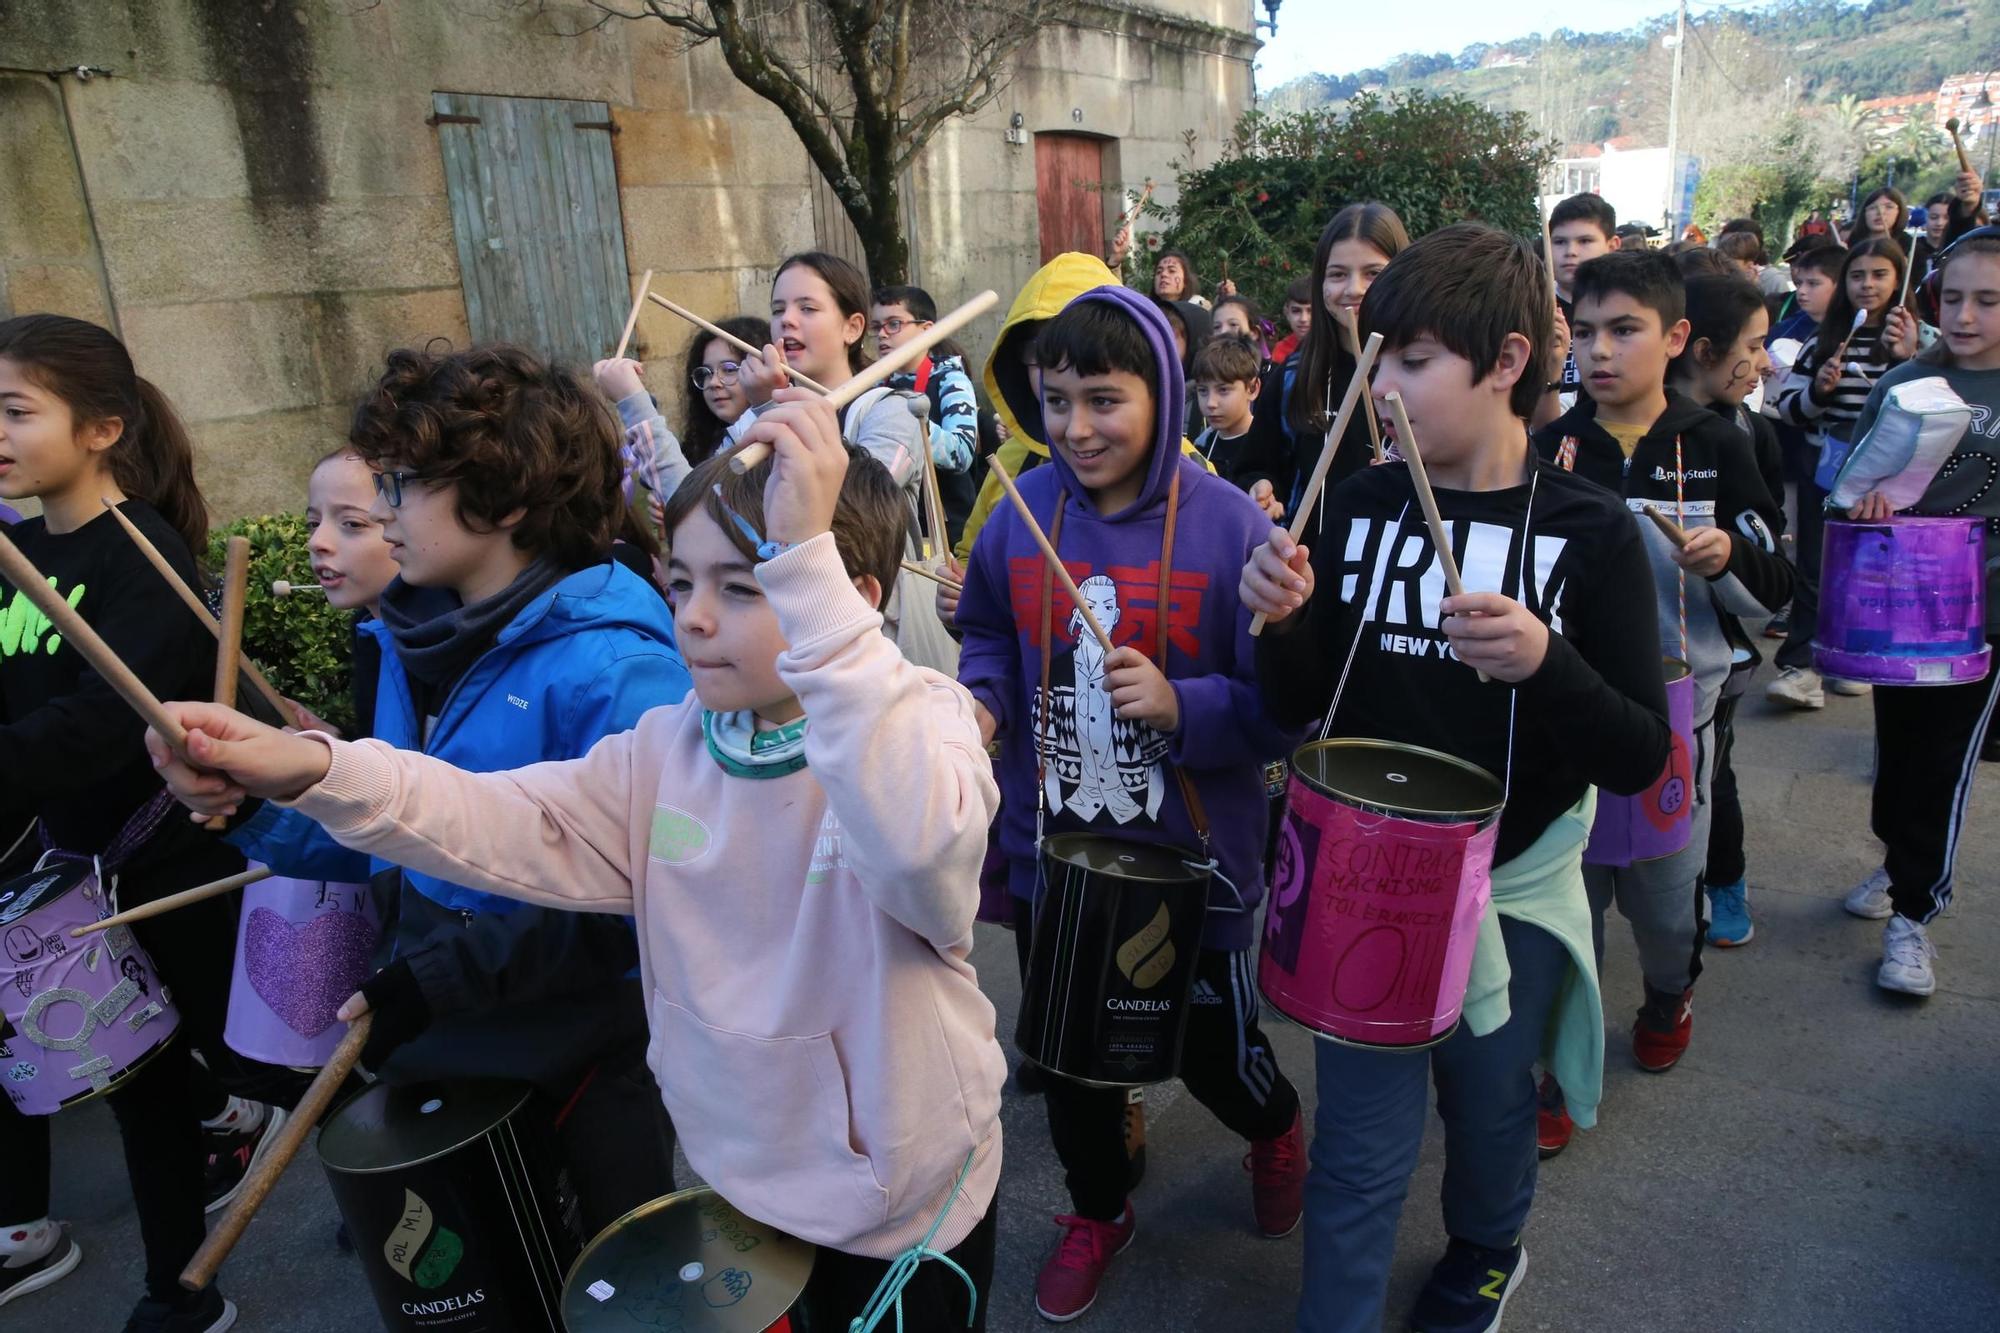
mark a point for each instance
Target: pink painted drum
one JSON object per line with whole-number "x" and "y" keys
{"x": 82, "y": 1015}
{"x": 1383, "y": 874}
{"x": 1903, "y": 602}
{"x": 1658, "y": 821}
{"x": 301, "y": 948}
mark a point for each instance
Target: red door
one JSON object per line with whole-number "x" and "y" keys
{"x": 1069, "y": 199}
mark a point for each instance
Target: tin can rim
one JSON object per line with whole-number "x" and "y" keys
{"x": 1306, "y": 773}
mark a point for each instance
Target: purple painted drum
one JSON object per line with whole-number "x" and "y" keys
{"x": 1384, "y": 870}
{"x": 1903, "y": 602}
{"x": 82, "y": 1015}
{"x": 1659, "y": 820}
{"x": 301, "y": 948}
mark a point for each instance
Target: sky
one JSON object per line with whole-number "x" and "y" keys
{"x": 1341, "y": 36}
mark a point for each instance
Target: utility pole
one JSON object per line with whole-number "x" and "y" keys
{"x": 1674, "y": 127}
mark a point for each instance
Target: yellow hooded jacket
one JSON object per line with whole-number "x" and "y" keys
{"x": 1012, "y": 390}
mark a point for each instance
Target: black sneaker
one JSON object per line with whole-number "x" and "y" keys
{"x": 201, "y": 1312}
{"x": 63, "y": 1256}
{"x": 1780, "y": 625}
{"x": 231, "y": 1154}
{"x": 1468, "y": 1289}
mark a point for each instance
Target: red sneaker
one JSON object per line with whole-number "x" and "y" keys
{"x": 1068, "y": 1282}
{"x": 1660, "y": 1037}
{"x": 1277, "y": 1170}
{"x": 1553, "y": 1126}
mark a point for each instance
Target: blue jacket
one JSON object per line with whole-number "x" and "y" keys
{"x": 583, "y": 661}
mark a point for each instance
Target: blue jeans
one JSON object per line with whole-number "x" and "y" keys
{"x": 1370, "y": 1124}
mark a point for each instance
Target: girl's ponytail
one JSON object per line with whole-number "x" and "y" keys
{"x": 155, "y": 463}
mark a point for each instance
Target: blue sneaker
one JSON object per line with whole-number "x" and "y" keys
{"x": 1468, "y": 1289}
{"x": 1729, "y": 916}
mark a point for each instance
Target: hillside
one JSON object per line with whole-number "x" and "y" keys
{"x": 1587, "y": 87}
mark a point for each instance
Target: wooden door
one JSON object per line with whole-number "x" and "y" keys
{"x": 1069, "y": 195}
{"x": 534, "y": 208}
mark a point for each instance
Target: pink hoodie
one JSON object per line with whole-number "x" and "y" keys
{"x": 818, "y": 1034}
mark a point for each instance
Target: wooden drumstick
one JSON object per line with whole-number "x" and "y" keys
{"x": 1406, "y": 444}
{"x": 281, "y": 588}
{"x": 290, "y": 1138}
{"x": 632, "y": 319}
{"x": 1355, "y": 385}
{"x": 1549, "y": 263}
{"x": 174, "y": 901}
{"x": 1964, "y": 162}
{"x": 1049, "y": 554}
{"x": 1353, "y": 338}
{"x": 229, "y": 643}
{"x": 750, "y": 455}
{"x": 797, "y": 377}
{"x": 18, "y": 570}
{"x": 1132, "y": 213}
{"x": 933, "y": 575}
{"x": 1675, "y": 532}
{"x": 193, "y": 601}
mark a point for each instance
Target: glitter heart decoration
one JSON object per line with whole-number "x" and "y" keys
{"x": 304, "y": 972}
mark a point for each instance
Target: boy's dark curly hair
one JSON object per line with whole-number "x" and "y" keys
{"x": 512, "y": 433}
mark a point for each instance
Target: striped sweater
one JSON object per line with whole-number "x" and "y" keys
{"x": 1864, "y": 363}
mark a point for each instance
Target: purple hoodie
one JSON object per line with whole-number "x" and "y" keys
{"x": 1104, "y": 774}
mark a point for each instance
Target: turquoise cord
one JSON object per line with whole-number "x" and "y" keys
{"x": 889, "y": 1292}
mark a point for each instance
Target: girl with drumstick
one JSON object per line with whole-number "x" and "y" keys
{"x": 804, "y": 895}
{"x": 1363, "y": 641}
{"x": 77, "y": 427}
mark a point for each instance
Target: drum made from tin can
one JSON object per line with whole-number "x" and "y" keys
{"x": 1658, "y": 821}
{"x": 448, "y": 1192}
{"x": 302, "y": 947}
{"x": 1384, "y": 873}
{"x": 1903, "y": 602}
{"x": 82, "y": 1015}
{"x": 1111, "y": 969}
{"x": 689, "y": 1262}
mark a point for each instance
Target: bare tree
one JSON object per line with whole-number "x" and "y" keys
{"x": 864, "y": 83}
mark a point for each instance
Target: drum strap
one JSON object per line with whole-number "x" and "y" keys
{"x": 145, "y": 821}
{"x": 888, "y": 1294}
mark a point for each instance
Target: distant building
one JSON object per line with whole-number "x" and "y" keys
{"x": 1892, "y": 113}
{"x": 1632, "y": 178}
{"x": 1968, "y": 97}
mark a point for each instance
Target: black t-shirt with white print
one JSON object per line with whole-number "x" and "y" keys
{"x": 1594, "y": 712}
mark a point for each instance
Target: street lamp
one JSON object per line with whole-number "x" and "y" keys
{"x": 1271, "y": 25}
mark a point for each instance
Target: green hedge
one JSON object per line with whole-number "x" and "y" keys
{"x": 305, "y": 646}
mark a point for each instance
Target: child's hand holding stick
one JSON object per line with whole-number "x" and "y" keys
{"x": 728, "y": 337}
{"x": 1406, "y": 444}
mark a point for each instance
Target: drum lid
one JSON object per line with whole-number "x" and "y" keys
{"x": 687, "y": 1261}
{"x": 24, "y": 893}
{"x": 1150, "y": 861}
{"x": 1399, "y": 779}
{"x": 386, "y": 1129}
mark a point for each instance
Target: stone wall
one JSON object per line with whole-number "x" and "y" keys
{"x": 250, "y": 195}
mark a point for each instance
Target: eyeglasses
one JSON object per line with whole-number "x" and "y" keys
{"x": 893, "y": 327}
{"x": 725, "y": 371}
{"x": 389, "y": 485}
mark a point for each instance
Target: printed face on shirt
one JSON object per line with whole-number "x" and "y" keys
{"x": 1622, "y": 350}
{"x": 1871, "y": 285}
{"x": 44, "y": 450}
{"x": 1969, "y": 310}
{"x": 1299, "y": 316}
{"x": 1351, "y": 268}
{"x": 1728, "y": 374}
{"x": 1104, "y": 426}
{"x": 1226, "y": 404}
{"x": 1814, "y": 288}
{"x": 1574, "y": 242}
{"x": 725, "y": 388}
{"x": 727, "y": 631}
{"x": 350, "y": 558}
{"x": 808, "y": 326}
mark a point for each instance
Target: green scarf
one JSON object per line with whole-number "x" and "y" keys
{"x": 745, "y": 752}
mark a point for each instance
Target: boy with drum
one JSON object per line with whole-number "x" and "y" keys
{"x": 1545, "y": 674}
{"x": 1162, "y": 740}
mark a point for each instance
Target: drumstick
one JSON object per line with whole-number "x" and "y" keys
{"x": 280, "y": 588}
{"x": 1353, "y": 332}
{"x": 1362, "y": 365}
{"x": 1132, "y": 214}
{"x": 1406, "y": 445}
{"x": 935, "y": 577}
{"x": 18, "y": 570}
{"x": 196, "y": 605}
{"x": 632, "y": 319}
{"x": 933, "y": 498}
{"x": 1549, "y": 263}
{"x": 1049, "y": 553}
{"x": 290, "y": 1138}
{"x": 1964, "y": 162}
{"x": 1675, "y": 533}
{"x": 750, "y": 455}
{"x": 712, "y": 331}
{"x": 173, "y": 901}
{"x": 229, "y": 643}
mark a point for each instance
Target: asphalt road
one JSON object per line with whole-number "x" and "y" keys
{"x": 1824, "y": 1159}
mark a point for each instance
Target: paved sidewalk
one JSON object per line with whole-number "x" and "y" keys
{"x": 1824, "y": 1159}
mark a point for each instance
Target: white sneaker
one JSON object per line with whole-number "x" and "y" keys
{"x": 1853, "y": 689}
{"x": 1869, "y": 899}
{"x": 1906, "y": 958}
{"x": 1797, "y": 686}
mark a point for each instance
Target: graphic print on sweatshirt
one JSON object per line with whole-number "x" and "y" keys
{"x": 23, "y": 627}
{"x": 1101, "y": 768}
{"x": 1395, "y": 561}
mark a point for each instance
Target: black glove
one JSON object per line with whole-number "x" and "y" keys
{"x": 400, "y": 1009}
